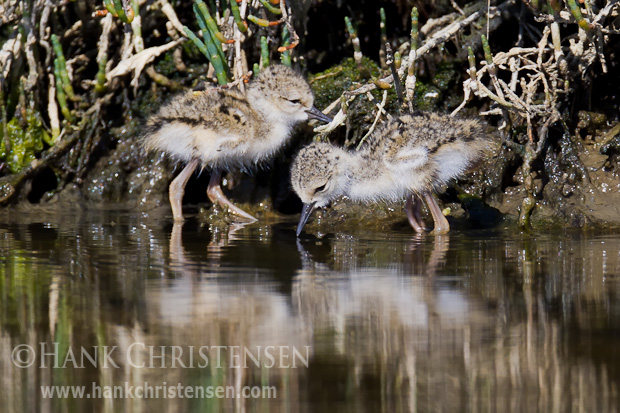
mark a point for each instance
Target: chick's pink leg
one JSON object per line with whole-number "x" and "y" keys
{"x": 177, "y": 189}
{"x": 441, "y": 223}
{"x": 217, "y": 197}
{"x": 412, "y": 209}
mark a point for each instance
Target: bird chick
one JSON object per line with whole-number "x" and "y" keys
{"x": 223, "y": 128}
{"x": 410, "y": 156}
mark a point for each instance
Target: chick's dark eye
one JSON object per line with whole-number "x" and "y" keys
{"x": 319, "y": 189}
{"x": 295, "y": 101}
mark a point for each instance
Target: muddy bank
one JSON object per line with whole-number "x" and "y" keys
{"x": 128, "y": 178}
{"x": 544, "y": 87}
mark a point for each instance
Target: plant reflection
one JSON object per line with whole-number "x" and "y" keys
{"x": 490, "y": 321}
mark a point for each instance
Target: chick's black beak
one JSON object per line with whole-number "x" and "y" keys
{"x": 314, "y": 113}
{"x": 305, "y": 214}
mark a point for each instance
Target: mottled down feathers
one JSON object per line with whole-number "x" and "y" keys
{"x": 411, "y": 153}
{"x": 224, "y": 128}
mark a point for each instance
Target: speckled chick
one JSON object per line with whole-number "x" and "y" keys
{"x": 409, "y": 156}
{"x": 223, "y": 128}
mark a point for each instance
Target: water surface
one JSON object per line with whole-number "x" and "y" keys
{"x": 489, "y": 320}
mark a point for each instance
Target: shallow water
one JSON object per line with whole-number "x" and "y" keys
{"x": 487, "y": 320}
